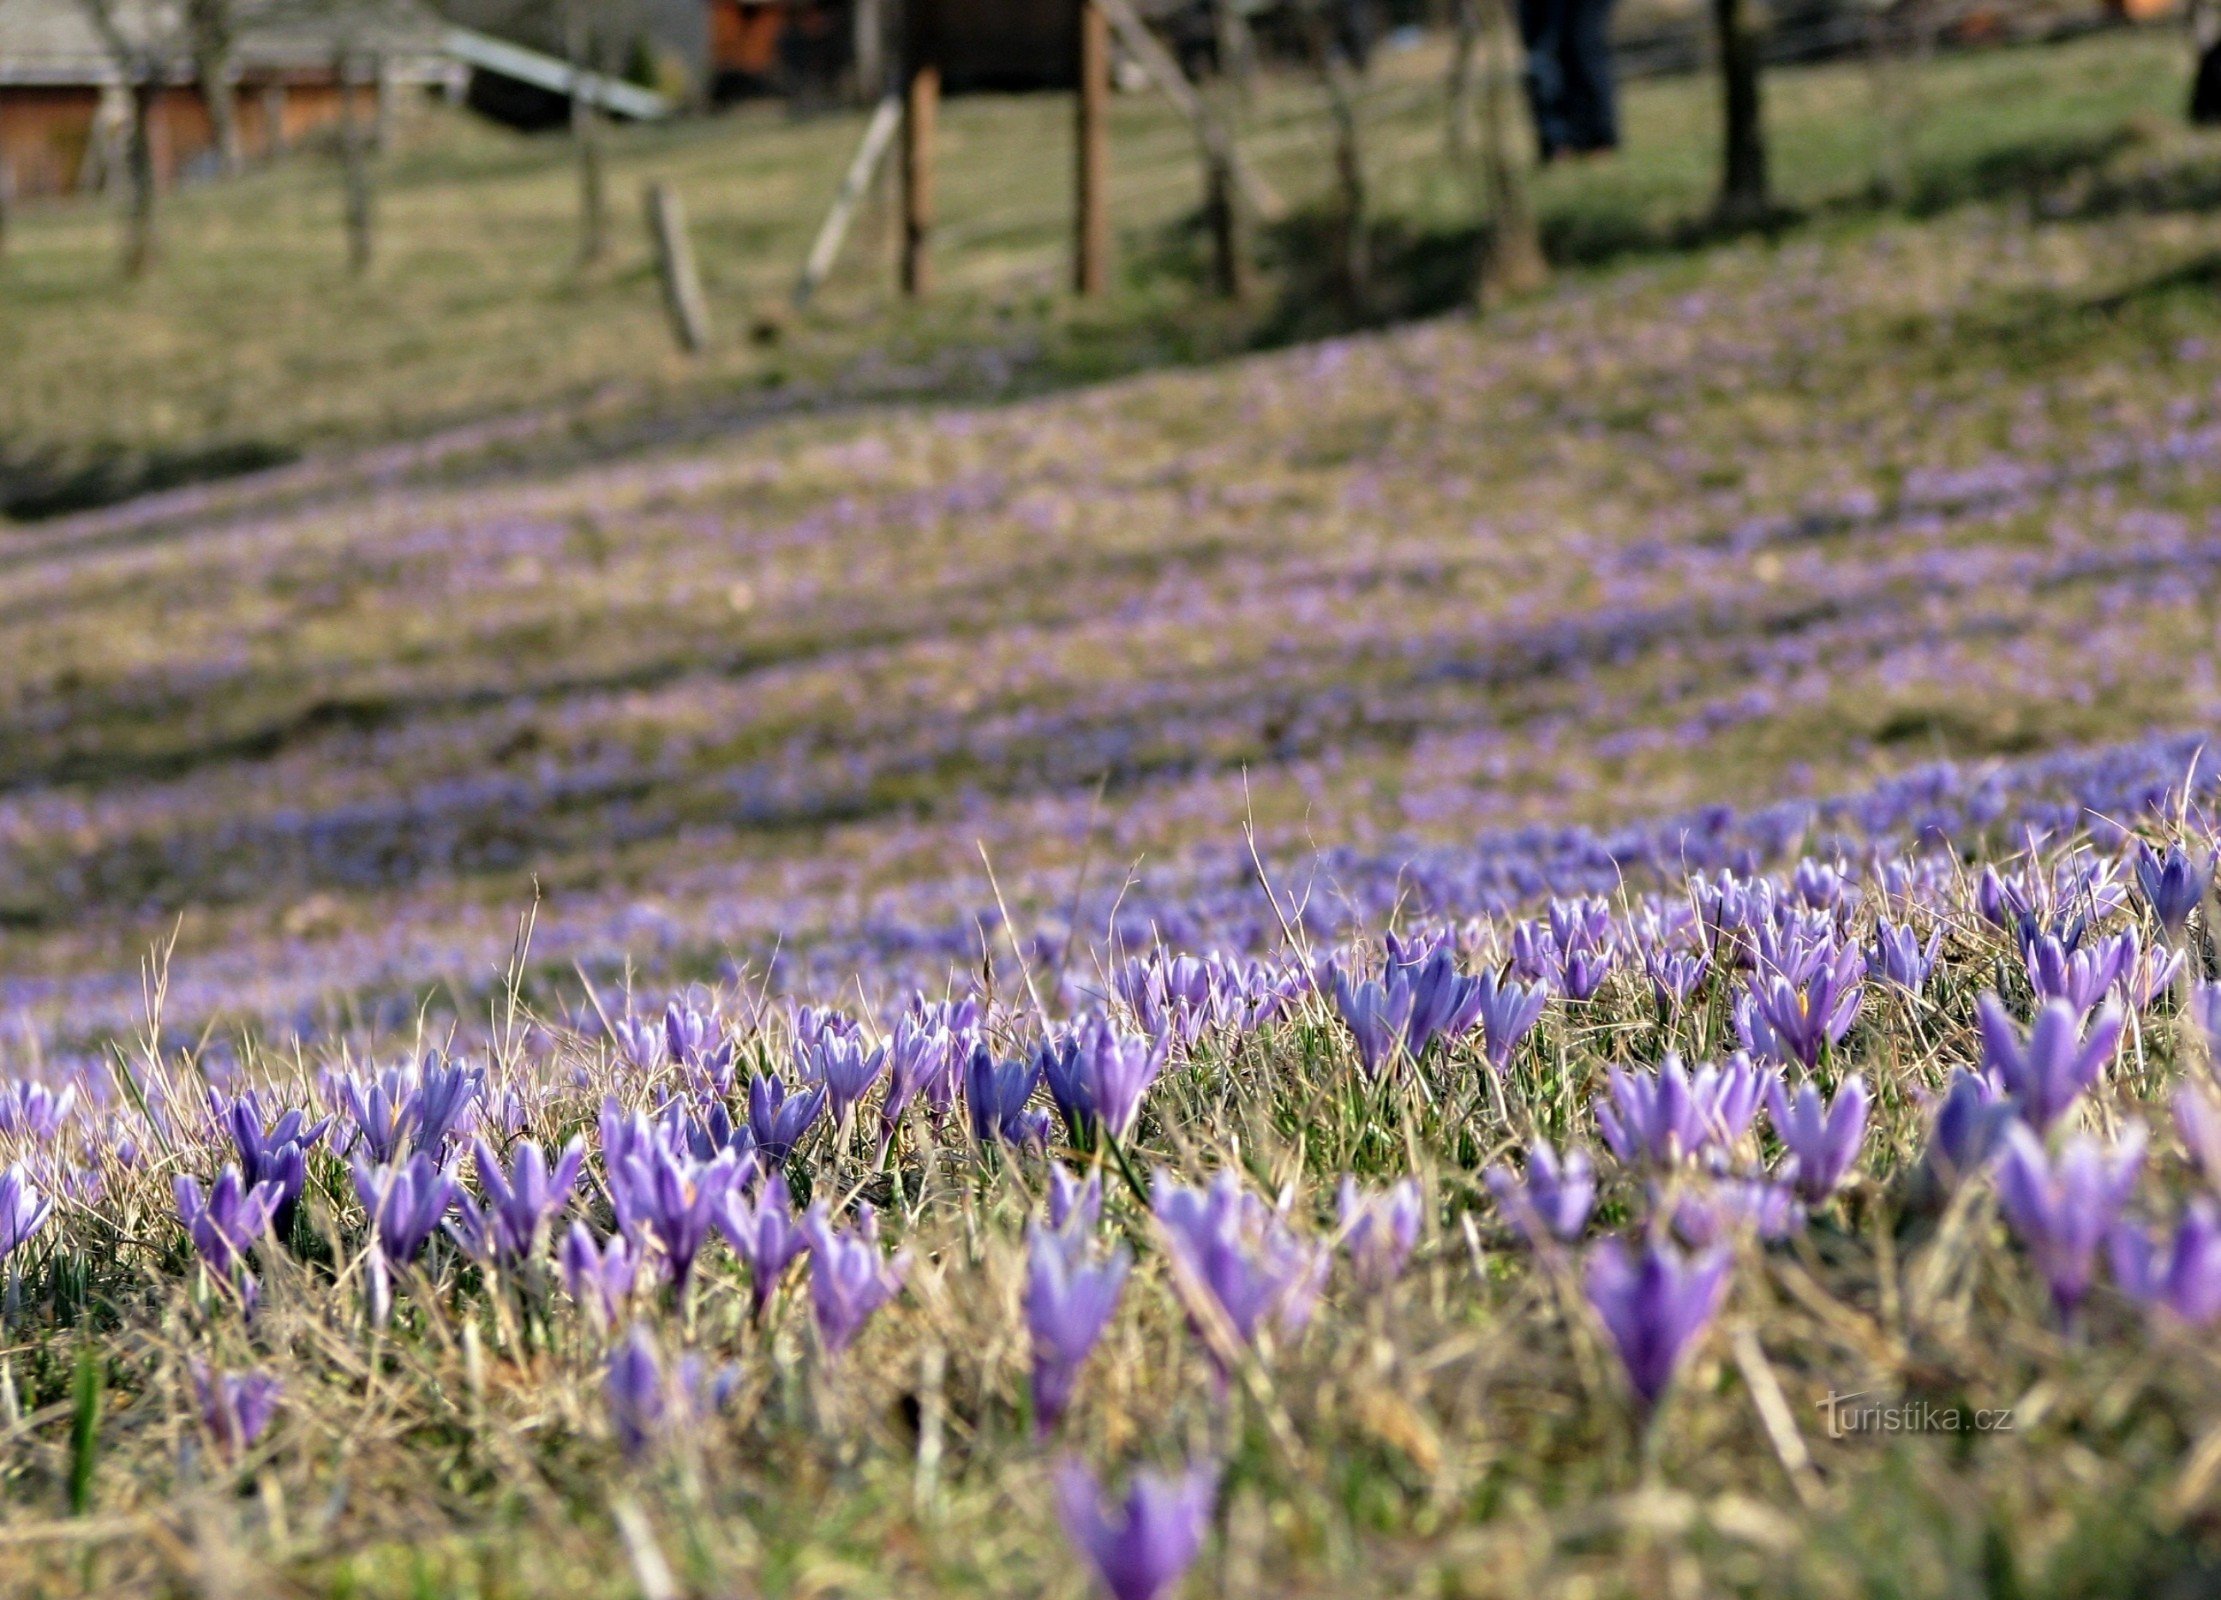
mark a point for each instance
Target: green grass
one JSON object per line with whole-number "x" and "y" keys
{"x": 252, "y": 343}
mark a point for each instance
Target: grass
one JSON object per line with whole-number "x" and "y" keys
{"x": 253, "y": 344}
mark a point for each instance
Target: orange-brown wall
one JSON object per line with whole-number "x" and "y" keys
{"x": 44, "y": 132}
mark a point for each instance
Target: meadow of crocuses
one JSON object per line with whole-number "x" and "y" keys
{"x": 1566, "y": 956}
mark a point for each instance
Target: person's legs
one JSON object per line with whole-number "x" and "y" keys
{"x": 1591, "y": 100}
{"x": 1542, "y": 30}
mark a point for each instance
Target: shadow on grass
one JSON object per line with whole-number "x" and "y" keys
{"x": 53, "y": 483}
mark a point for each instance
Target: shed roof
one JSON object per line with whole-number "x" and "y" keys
{"x": 54, "y": 42}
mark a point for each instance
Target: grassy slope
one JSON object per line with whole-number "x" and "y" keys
{"x": 765, "y": 689}
{"x": 252, "y": 342}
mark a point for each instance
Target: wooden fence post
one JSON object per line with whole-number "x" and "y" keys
{"x": 921, "y": 108}
{"x": 682, "y": 285}
{"x": 1091, "y": 244}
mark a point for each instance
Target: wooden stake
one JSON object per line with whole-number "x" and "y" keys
{"x": 921, "y": 110}
{"x": 826, "y": 248}
{"x": 1091, "y": 179}
{"x": 682, "y": 285}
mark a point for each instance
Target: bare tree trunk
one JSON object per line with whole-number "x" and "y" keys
{"x": 1514, "y": 263}
{"x": 209, "y": 30}
{"x": 1745, "y": 197}
{"x": 586, "y": 136}
{"x": 1464, "y": 49}
{"x": 1885, "y": 65}
{"x": 1349, "y": 164}
{"x": 354, "y": 156}
{"x": 386, "y": 106}
{"x": 1227, "y": 220}
{"x": 141, "y": 243}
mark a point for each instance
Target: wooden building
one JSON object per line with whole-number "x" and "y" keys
{"x": 813, "y": 47}
{"x": 62, "y": 94}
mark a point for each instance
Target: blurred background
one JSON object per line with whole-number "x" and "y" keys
{"x": 849, "y": 493}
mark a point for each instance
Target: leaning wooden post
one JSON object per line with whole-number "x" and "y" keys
{"x": 682, "y": 285}
{"x": 862, "y": 168}
{"x": 921, "y": 108}
{"x": 1091, "y": 242}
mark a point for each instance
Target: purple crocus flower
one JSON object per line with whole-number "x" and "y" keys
{"x": 271, "y": 1151}
{"x": 642, "y": 1042}
{"x": 921, "y": 1060}
{"x": 1377, "y": 1016}
{"x": 1070, "y": 1298}
{"x": 777, "y": 1120}
{"x": 1235, "y": 1256}
{"x": 1823, "y": 1140}
{"x": 667, "y": 1195}
{"x": 1117, "y": 1069}
{"x": 599, "y": 1277}
{"x": 2046, "y": 1074}
{"x": 379, "y": 1109}
{"x": 29, "y": 1109}
{"x": 2198, "y": 1120}
{"x": 2180, "y": 1274}
{"x": 1442, "y": 1001}
{"x": 1900, "y": 958}
{"x": 1379, "y": 1230}
{"x": 1794, "y": 1019}
{"x": 1969, "y": 1122}
{"x": 1064, "y": 1075}
{"x": 23, "y": 1210}
{"x": 1506, "y": 1011}
{"x": 407, "y": 1203}
{"x": 1668, "y": 1117}
{"x": 850, "y": 1277}
{"x": 1674, "y": 975}
{"x": 2173, "y": 884}
{"x": 236, "y": 1406}
{"x": 520, "y": 1203}
{"x": 2081, "y": 976}
{"x": 995, "y": 1094}
{"x": 1721, "y": 1209}
{"x": 1075, "y": 1204}
{"x": 847, "y": 1066}
{"x": 647, "y": 1403}
{"x": 765, "y": 1234}
{"x": 1554, "y": 1200}
{"x": 1654, "y": 1306}
{"x": 696, "y": 1041}
{"x": 226, "y": 1223}
{"x": 2061, "y": 1210}
{"x": 1141, "y": 1549}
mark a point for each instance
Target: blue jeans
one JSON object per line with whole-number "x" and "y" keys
{"x": 1569, "y": 74}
